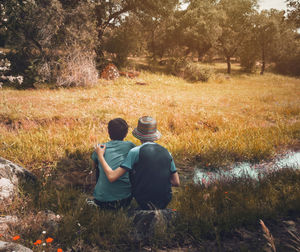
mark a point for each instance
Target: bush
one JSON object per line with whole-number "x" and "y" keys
{"x": 176, "y": 66}
{"x": 188, "y": 70}
{"x": 76, "y": 69}
{"x": 248, "y": 63}
{"x": 289, "y": 65}
{"x": 196, "y": 72}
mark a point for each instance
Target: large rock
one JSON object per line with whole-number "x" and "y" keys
{"x": 110, "y": 72}
{"x": 11, "y": 246}
{"x": 11, "y": 175}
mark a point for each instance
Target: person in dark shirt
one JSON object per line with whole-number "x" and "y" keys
{"x": 151, "y": 166}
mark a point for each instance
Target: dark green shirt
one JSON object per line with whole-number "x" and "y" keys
{"x": 151, "y": 167}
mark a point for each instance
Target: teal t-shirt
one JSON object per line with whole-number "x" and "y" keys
{"x": 115, "y": 153}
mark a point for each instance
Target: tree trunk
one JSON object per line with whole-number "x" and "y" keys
{"x": 263, "y": 66}
{"x": 228, "y": 65}
{"x": 200, "y": 55}
{"x": 153, "y": 46}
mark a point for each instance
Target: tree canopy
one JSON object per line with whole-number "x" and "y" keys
{"x": 45, "y": 33}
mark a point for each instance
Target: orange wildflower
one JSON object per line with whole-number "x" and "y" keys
{"x": 225, "y": 192}
{"x": 37, "y": 242}
{"x": 49, "y": 240}
{"x": 17, "y": 237}
{"x": 174, "y": 210}
{"x": 59, "y": 250}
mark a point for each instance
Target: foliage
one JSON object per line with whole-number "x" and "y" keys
{"x": 289, "y": 64}
{"x": 196, "y": 72}
{"x": 235, "y": 25}
{"x": 43, "y": 33}
{"x": 199, "y": 26}
{"x": 263, "y": 39}
{"x": 5, "y": 73}
{"x": 294, "y": 11}
{"x": 77, "y": 68}
{"x": 248, "y": 55}
{"x": 176, "y": 66}
{"x": 124, "y": 41}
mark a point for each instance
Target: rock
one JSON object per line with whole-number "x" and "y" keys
{"x": 6, "y": 188}
{"x": 48, "y": 219}
{"x": 110, "y": 72}
{"x": 148, "y": 222}
{"x": 141, "y": 83}
{"x": 4, "y": 221}
{"x": 11, "y": 246}
{"x": 10, "y": 177}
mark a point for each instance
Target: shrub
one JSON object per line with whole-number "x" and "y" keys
{"x": 176, "y": 66}
{"x": 289, "y": 65}
{"x": 196, "y": 72}
{"x": 248, "y": 64}
{"x": 75, "y": 69}
{"x": 188, "y": 70}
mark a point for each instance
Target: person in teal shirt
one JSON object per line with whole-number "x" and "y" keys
{"x": 152, "y": 168}
{"x": 114, "y": 195}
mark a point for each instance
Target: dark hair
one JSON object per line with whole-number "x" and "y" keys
{"x": 117, "y": 129}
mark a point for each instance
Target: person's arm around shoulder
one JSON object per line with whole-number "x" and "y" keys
{"x": 112, "y": 175}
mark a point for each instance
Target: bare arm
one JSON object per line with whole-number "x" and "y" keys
{"x": 175, "y": 179}
{"x": 112, "y": 175}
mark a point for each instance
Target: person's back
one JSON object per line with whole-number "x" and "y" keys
{"x": 116, "y": 152}
{"x": 106, "y": 194}
{"x": 150, "y": 176}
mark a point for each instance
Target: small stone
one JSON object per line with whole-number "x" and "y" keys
{"x": 141, "y": 83}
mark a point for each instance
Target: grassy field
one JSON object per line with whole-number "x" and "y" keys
{"x": 244, "y": 118}
{"x": 240, "y": 118}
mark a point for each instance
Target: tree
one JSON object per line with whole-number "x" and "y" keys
{"x": 271, "y": 38}
{"x": 126, "y": 39}
{"x": 199, "y": 26}
{"x": 43, "y": 32}
{"x": 157, "y": 26}
{"x": 235, "y": 25}
{"x": 266, "y": 32}
{"x": 112, "y": 13}
{"x": 294, "y": 11}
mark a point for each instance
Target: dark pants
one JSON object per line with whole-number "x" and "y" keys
{"x": 114, "y": 205}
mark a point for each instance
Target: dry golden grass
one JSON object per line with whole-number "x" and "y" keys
{"x": 246, "y": 117}
{"x": 242, "y": 118}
